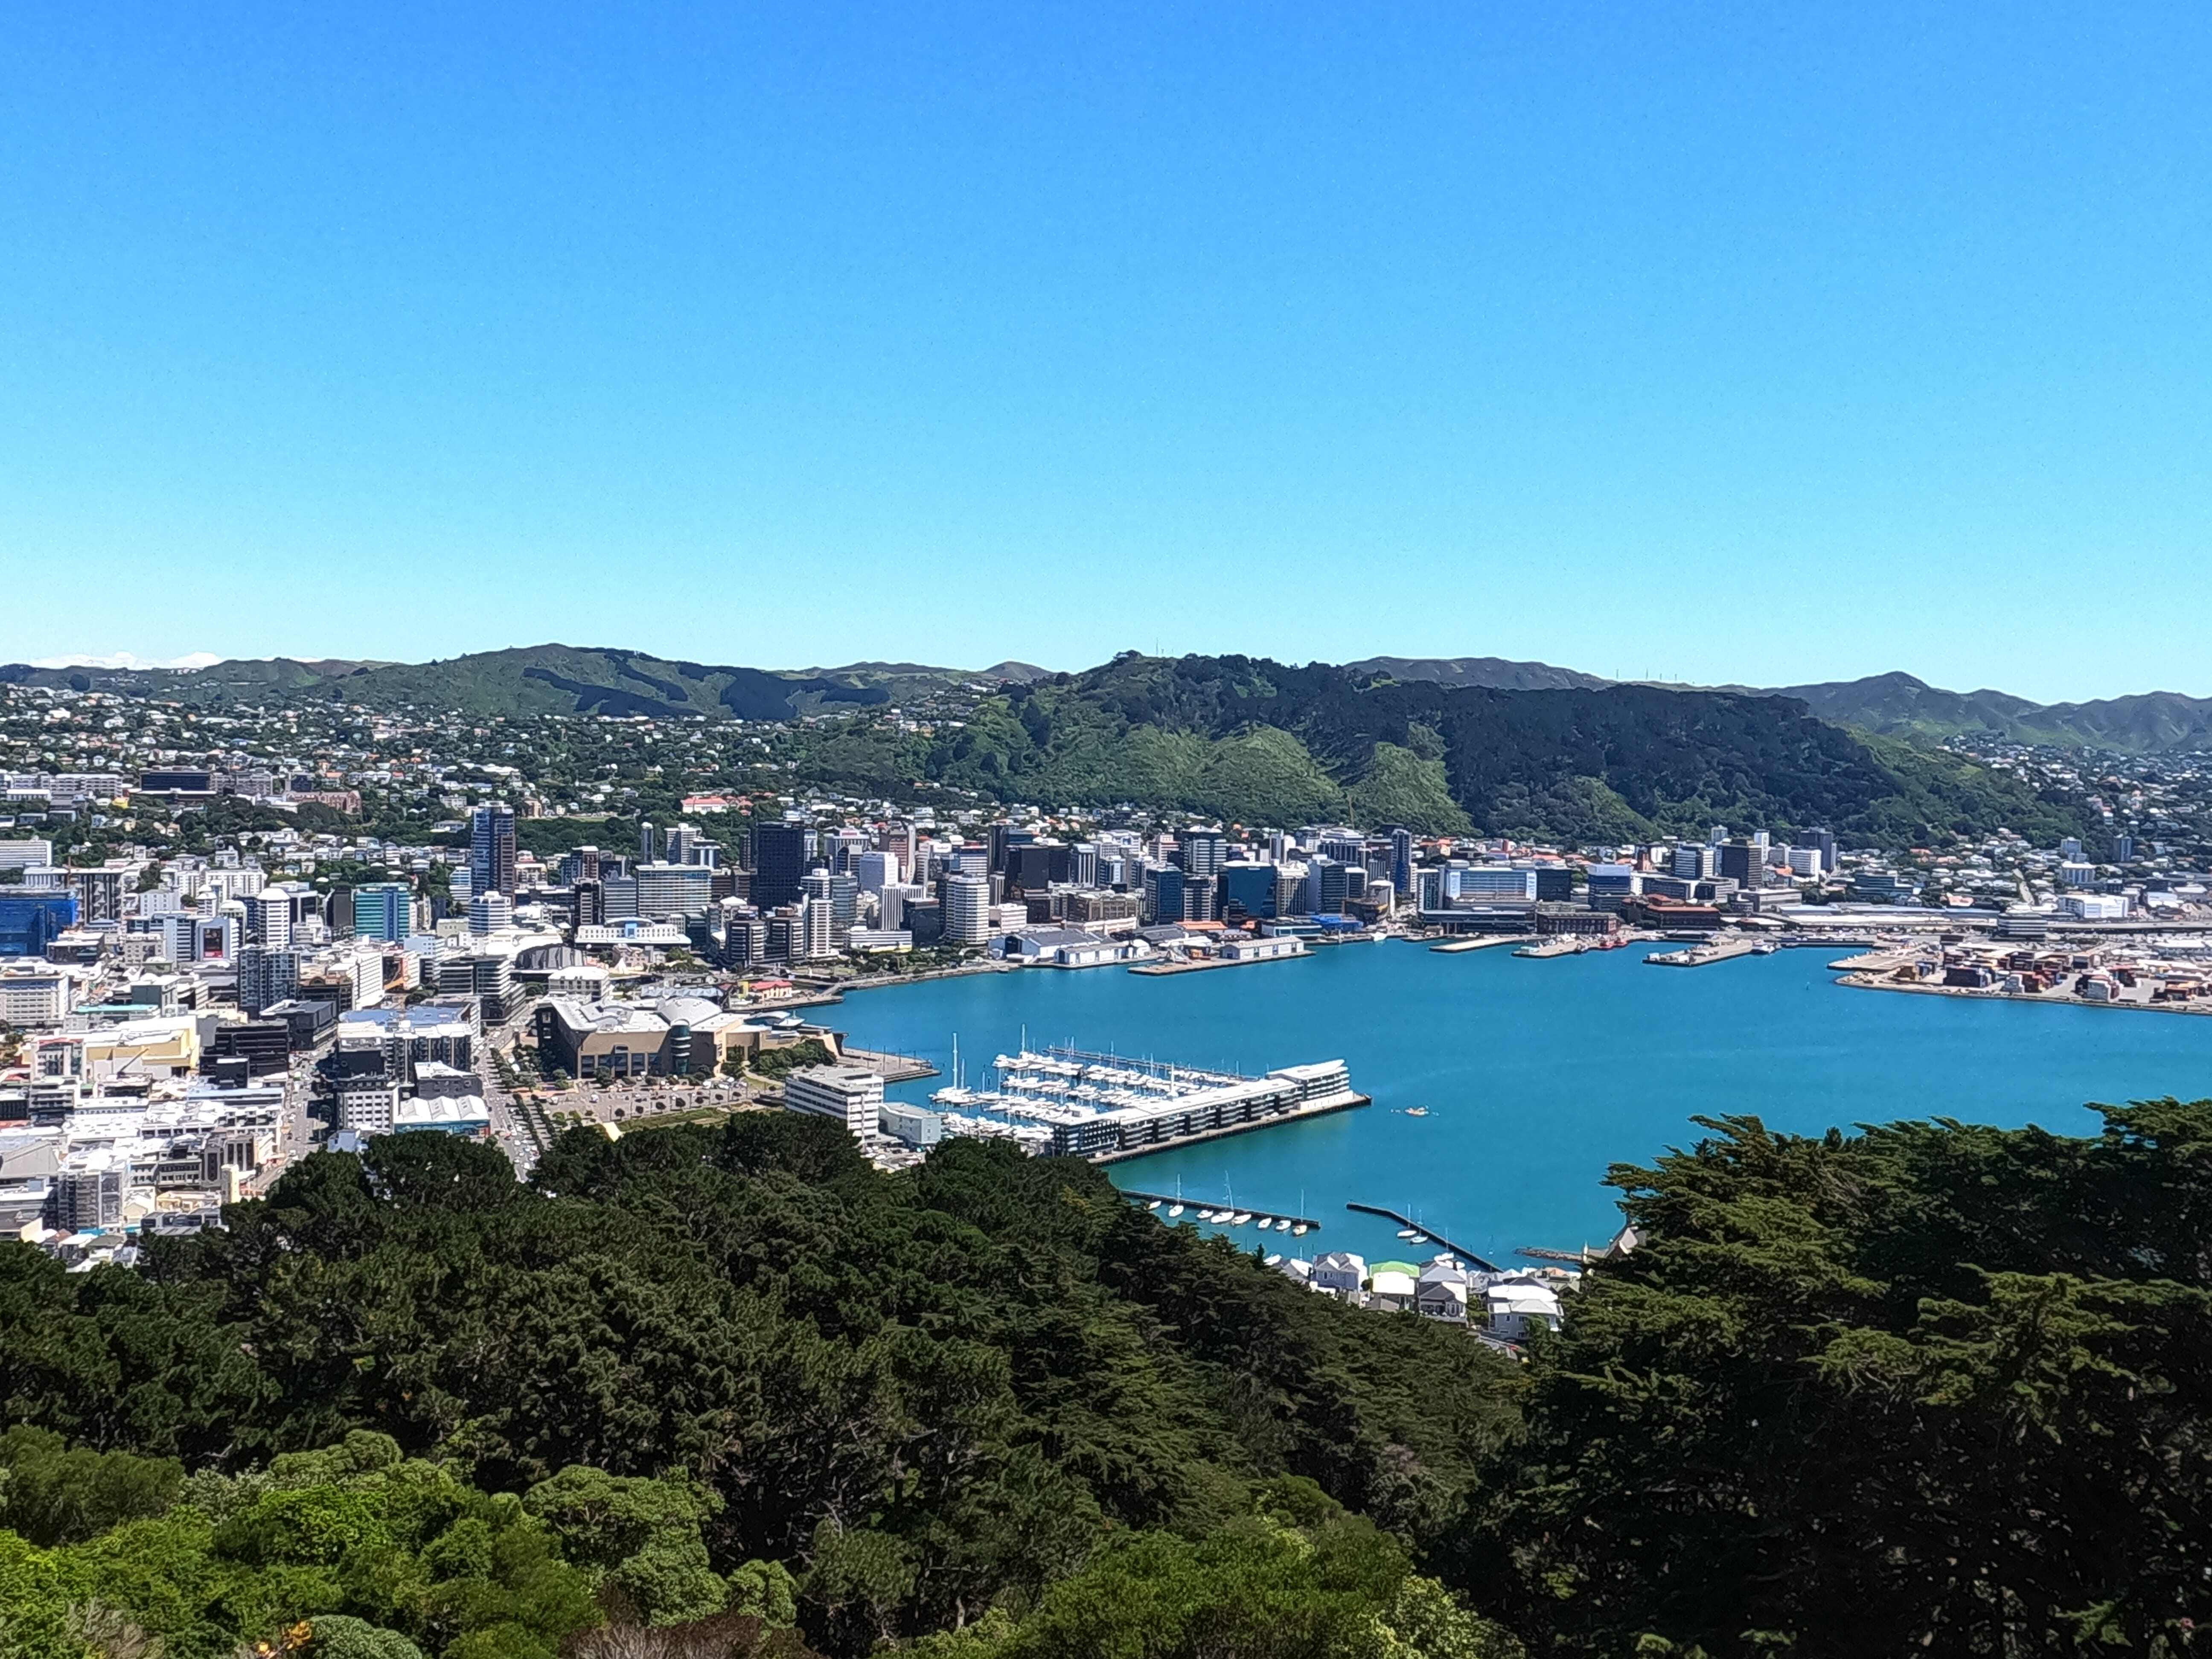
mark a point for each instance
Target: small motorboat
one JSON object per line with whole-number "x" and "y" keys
{"x": 1240, "y": 1218}
{"x": 1154, "y": 1204}
{"x": 1298, "y": 1231}
{"x": 1409, "y": 1232}
{"x": 1174, "y": 1210}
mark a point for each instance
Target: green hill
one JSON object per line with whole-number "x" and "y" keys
{"x": 1256, "y": 741}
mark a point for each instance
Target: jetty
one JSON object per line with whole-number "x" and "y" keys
{"x": 1565, "y": 944}
{"x": 1430, "y": 1234}
{"x": 1699, "y": 955}
{"x": 1191, "y": 1206}
{"x": 1451, "y": 947}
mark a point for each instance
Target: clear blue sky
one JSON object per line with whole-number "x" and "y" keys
{"x": 1755, "y": 342}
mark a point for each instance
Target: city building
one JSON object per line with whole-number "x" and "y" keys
{"x": 850, "y": 1094}
{"x": 491, "y": 849}
{"x": 383, "y": 910}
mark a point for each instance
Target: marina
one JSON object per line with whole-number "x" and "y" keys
{"x": 1105, "y": 1107}
{"x": 1174, "y": 1205}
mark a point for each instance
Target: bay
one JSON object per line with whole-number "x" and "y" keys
{"x": 1536, "y": 1074}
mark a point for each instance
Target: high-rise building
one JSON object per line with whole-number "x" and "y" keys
{"x": 267, "y": 975}
{"x": 779, "y": 864}
{"x": 1328, "y": 887}
{"x": 384, "y": 910}
{"x": 269, "y": 918}
{"x": 1200, "y": 852}
{"x": 877, "y": 871}
{"x": 669, "y": 891}
{"x": 29, "y": 921}
{"x": 491, "y": 849}
{"x": 490, "y": 913}
{"x": 648, "y": 848}
{"x": 1401, "y": 859}
{"x": 817, "y": 939}
{"x": 1247, "y": 890}
{"x": 966, "y": 901}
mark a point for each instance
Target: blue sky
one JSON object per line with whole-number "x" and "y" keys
{"x": 1727, "y": 343}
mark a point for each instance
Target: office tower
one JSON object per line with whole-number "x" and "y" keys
{"x": 966, "y": 901}
{"x": 667, "y": 890}
{"x": 894, "y": 899}
{"x": 490, "y": 913}
{"x": 491, "y": 850}
{"x": 590, "y": 903}
{"x": 648, "y": 848}
{"x": 1401, "y": 859}
{"x": 1200, "y": 852}
{"x": 877, "y": 871}
{"x": 582, "y": 864}
{"x": 1825, "y": 840}
{"x": 1740, "y": 863}
{"x": 1328, "y": 887}
{"x": 1163, "y": 895}
{"x": 779, "y": 864}
{"x": 266, "y": 974}
{"x": 681, "y": 837}
{"x": 269, "y": 918}
{"x": 1247, "y": 891}
{"x": 817, "y": 929}
{"x": 383, "y": 910}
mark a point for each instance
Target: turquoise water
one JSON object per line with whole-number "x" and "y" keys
{"x": 1537, "y": 1074}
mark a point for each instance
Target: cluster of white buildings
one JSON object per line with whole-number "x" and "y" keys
{"x": 1506, "y": 1306}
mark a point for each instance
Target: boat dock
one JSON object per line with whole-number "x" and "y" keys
{"x": 1565, "y": 944}
{"x": 1193, "y": 1207}
{"x": 1486, "y": 942}
{"x": 1460, "y": 1251}
{"x": 892, "y": 1068}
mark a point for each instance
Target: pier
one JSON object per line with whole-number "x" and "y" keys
{"x": 892, "y": 1068}
{"x": 1191, "y": 1206}
{"x": 1699, "y": 955}
{"x": 1460, "y": 1251}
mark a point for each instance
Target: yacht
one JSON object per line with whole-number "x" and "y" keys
{"x": 1174, "y": 1210}
{"x": 1154, "y": 1204}
{"x": 1241, "y": 1217}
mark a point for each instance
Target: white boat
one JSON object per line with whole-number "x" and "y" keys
{"x": 1299, "y": 1230}
{"x": 1154, "y": 1204}
{"x": 1409, "y": 1232}
{"x": 1275, "y": 1261}
{"x": 1175, "y": 1210}
{"x": 1240, "y": 1218}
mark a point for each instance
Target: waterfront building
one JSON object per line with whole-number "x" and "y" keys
{"x": 1342, "y": 1272}
{"x": 850, "y": 1094}
{"x": 1247, "y": 891}
{"x": 1611, "y": 885}
{"x": 967, "y": 909}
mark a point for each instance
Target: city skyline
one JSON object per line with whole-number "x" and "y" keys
{"x": 1717, "y": 346}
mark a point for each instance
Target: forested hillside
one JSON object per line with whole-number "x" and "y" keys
{"x": 731, "y": 1394}
{"x": 1261, "y": 742}
{"x": 931, "y": 1395}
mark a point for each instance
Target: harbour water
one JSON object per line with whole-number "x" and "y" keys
{"x": 1535, "y": 1075}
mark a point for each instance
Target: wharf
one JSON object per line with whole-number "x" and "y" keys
{"x": 1155, "y": 969}
{"x": 1487, "y": 942}
{"x": 892, "y": 1068}
{"x": 1699, "y": 955}
{"x": 1316, "y": 1109}
{"x": 1566, "y": 945}
{"x": 1460, "y": 1251}
{"x": 1194, "y": 1203}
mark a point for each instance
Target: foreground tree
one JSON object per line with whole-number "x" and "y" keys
{"x": 1930, "y": 1387}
